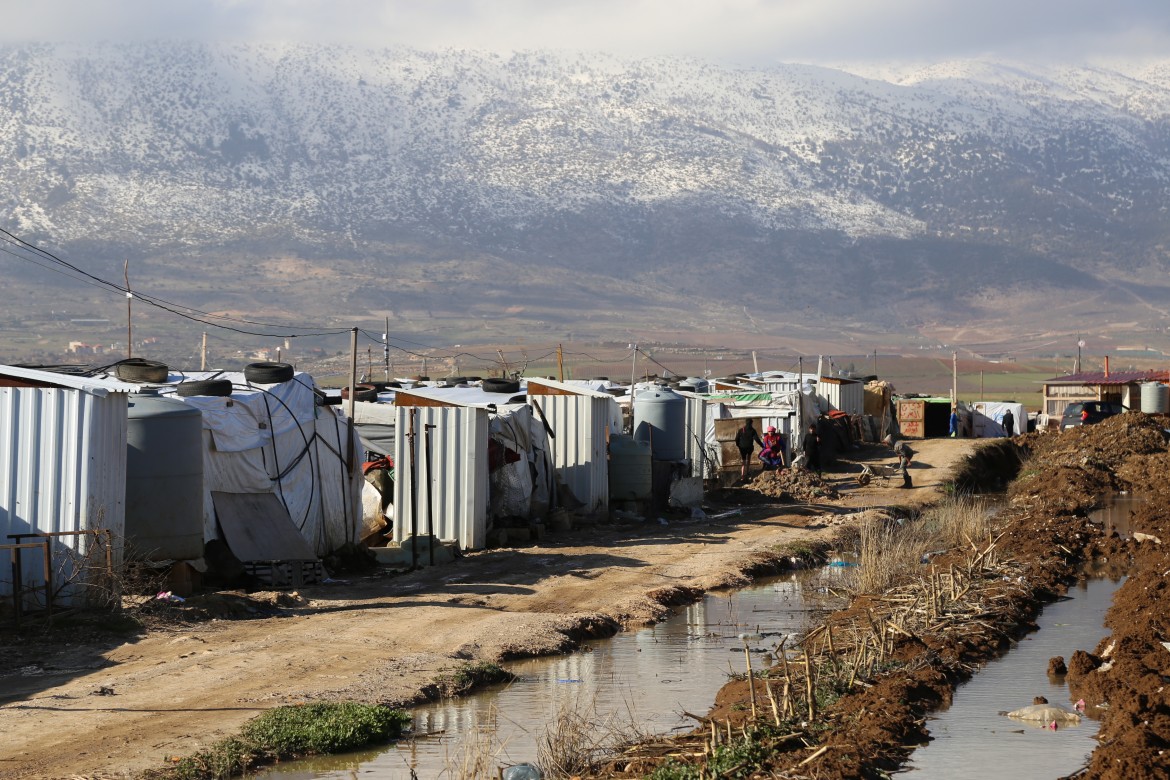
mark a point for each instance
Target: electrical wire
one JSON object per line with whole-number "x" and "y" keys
{"x": 158, "y": 302}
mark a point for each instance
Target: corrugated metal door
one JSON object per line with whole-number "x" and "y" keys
{"x": 580, "y": 425}
{"x": 458, "y": 475}
{"x": 62, "y": 468}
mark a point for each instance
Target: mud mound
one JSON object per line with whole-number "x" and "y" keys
{"x": 1066, "y": 471}
{"x": 793, "y": 485}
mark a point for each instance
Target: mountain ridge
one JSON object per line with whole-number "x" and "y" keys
{"x": 956, "y": 188}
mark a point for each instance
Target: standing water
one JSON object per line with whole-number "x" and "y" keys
{"x": 642, "y": 680}
{"x": 972, "y": 740}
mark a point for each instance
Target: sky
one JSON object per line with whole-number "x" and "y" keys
{"x": 754, "y": 33}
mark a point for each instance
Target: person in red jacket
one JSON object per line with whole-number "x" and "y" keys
{"x": 772, "y": 456}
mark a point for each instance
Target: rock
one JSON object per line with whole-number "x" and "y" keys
{"x": 1056, "y": 665}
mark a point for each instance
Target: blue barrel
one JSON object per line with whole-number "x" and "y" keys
{"x": 164, "y": 479}
{"x": 629, "y": 468}
{"x": 660, "y": 418}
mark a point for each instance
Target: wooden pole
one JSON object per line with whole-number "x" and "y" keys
{"x": 954, "y": 376}
{"x": 560, "y": 364}
{"x": 203, "y": 354}
{"x": 386, "y": 348}
{"x": 747, "y": 657}
{"x": 352, "y": 398}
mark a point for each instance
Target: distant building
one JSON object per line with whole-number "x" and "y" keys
{"x": 81, "y": 348}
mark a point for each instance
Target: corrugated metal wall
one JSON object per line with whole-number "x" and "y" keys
{"x": 459, "y": 473}
{"x": 581, "y": 425}
{"x": 849, "y": 397}
{"x": 62, "y": 468}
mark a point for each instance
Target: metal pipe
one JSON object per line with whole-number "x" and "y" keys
{"x": 427, "y": 428}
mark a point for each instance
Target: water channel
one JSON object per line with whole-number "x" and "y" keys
{"x": 647, "y": 678}
{"x": 650, "y": 677}
{"x": 971, "y": 740}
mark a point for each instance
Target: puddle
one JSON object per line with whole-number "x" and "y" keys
{"x": 648, "y": 677}
{"x": 972, "y": 741}
{"x": 1115, "y": 515}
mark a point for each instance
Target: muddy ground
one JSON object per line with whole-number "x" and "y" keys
{"x": 107, "y": 696}
{"x": 1045, "y": 542}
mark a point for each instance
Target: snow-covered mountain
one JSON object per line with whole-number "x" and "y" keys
{"x": 899, "y": 180}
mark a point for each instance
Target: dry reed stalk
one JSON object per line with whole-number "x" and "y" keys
{"x": 808, "y": 688}
{"x": 772, "y": 699}
{"x": 787, "y": 700}
{"x": 751, "y": 680}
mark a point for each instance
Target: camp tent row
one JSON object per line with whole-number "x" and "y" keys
{"x": 279, "y": 472}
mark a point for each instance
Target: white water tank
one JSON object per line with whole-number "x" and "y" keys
{"x": 1155, "y": 398}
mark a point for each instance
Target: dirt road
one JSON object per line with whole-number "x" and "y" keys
{"x": 91, "y": 703}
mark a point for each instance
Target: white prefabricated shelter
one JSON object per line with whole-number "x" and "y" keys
{"x": 846, "y": 395}
{"x": 581, "y": 420}
{"x": 62, "y": 470}
{"x": 276, "y": 439}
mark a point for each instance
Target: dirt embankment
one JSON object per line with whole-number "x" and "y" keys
{"x": 1044, "y": 542}
{"x": 112, "y": 698}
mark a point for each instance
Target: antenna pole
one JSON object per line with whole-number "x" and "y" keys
{"x": 129, "y": 300}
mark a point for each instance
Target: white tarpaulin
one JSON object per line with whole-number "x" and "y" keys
{"x": 988, "y": 419}
{"x": 275, "y": 439}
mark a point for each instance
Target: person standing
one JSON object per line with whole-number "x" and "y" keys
{"x": 812, "y": 449}
{"x": 954, "y": 421}
{"x": 746, "y": 440}
{"x": 1009, "y": 423}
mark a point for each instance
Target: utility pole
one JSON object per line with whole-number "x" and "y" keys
{"x": 954, "y": 377}
{"x": 875, "y": 373}
{"x": 560, "y": 364}
{"x": 129, "y": 299}
{"x": 352, "y": 373}
{"x": 386, "y": 348}
{"x": 203, "y": 354}
{"x": 755, "y": 363}
{"x": 633, "y": 373}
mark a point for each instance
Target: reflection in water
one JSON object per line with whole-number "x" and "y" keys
{"x": 1116, "y": 513}
{"x": 640, "y": 681}
{"x": 971, "y": 740}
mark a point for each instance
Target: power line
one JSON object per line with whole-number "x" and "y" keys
{"x": 160, "y": 303}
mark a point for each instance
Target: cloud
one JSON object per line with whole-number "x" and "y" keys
{"x": 750, "y": 32}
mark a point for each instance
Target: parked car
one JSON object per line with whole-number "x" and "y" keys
{"x": 1088, "y": 412}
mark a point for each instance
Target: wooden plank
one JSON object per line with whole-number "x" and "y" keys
{"x": 257, "y": 528}
{"x": 405, "y": 398}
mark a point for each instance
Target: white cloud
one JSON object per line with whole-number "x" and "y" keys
{"x": 753, "y": 32}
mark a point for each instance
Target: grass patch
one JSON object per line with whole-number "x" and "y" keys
{"x": 739, "y": 759}
{"x": 469, "y": 676}
{"x": 891, "y": 552}
{"x": 290, "y": 732}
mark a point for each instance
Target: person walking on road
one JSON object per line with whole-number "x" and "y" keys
{"x": 746, "y": 440}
